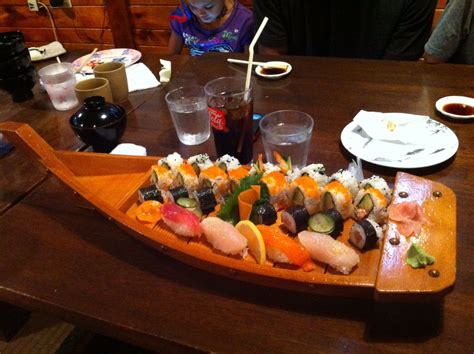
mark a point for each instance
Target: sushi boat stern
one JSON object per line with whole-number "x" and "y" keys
{"x": 110, "y": 183}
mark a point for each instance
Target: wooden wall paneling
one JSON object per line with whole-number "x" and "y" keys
{"x": 120, "y": 23}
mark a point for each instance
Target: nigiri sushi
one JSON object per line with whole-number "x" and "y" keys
{"x": 223, "y": 236}
{"x": 183, "y": 222}
{"x": 283, "y": 249}
{"x": 324, "y": 248}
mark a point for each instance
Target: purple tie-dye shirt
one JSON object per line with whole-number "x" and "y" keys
{"x": 232, "y": 36}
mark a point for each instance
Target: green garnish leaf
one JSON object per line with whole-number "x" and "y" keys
{"x": 230, "y": 208}
{"x": 418, "y": 258}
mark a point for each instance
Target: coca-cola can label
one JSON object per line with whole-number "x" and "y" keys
{"x": 217, "y": 117}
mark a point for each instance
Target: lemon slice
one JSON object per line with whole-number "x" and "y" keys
{"x": 254, "y": 239}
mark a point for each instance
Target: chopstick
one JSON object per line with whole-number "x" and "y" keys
{"x": 238, "y": 61}
{"x": 86, "y": 60}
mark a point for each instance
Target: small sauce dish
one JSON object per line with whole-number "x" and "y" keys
{"x": 456, "y": 107}
{"x": 273, "y": 69}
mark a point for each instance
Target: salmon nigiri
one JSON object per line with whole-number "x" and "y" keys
{"x": 283, "y": 249}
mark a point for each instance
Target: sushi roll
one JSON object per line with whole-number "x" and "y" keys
{"x": 171, "y": 161}
{"x": 150, "y": 193}
{"x": 305, "y": 191}
{"x": 370, "y": 203}
{"x": 200, "y": 162}
{"x": 174, "y": 194}
{"x": 217, "y": 179}
{"x": 295, "y": 218}
{"x": 234, "y": 169}
{"x": 206, "y": 199}
{"x": 181, "y": 221}
{"x": 347, "y": 180}
{"x": 336, "y": 196}
{"x": 281, "y": 248}
{"x": 377, "y": 183}
{"x": 365, "y": 234}
{"x": 162, "y": 177}
{"x": 278, "y": 188}
{"x": 186, "y": 176}
{"x": 317, "y": 172}
{"x": 264, "y": 213}
{"x": 227, "y": 162}
{"x": 223, "y": 236}
{"x": 324, "y": 248}
{"x": 190, "y": 204}
{"x": 327, "y": 222}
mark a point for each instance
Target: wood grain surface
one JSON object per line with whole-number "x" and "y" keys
{"x": 60, "y": 256}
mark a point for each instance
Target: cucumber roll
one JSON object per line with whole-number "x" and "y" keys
{"x": 206, "y": 199}
{"x": 329, "y": 222}
{"x": 365, "y": 234}
{"x": 190, "y": 204}
{"x": 295, "y": 218}
{"x": 150, "y": 193}
{"x": 263, "y": 213}
{"x": 178, "y": 192}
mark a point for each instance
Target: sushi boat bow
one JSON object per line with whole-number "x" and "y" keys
{"x": 110, "y": 183}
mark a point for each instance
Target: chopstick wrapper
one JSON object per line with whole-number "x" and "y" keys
{"x": 139, "y": 77}
{"x": 391, "y": 135}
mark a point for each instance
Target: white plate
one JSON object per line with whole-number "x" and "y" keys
{"x": 440, "y": 145}
{"x": 127, "y": 56}
{"x": 259, "y": 69}
{"x": 454, "y": 99}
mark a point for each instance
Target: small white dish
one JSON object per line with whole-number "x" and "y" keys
{"x": 442, "y": 103}
{"x": 264, "y": 70}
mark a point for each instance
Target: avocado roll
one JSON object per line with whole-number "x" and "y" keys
{"x": 370, "y": 203}
{"x": 336, "y": 196}
{"x": 150, "y": 193}
{"x": 162, "y": 177}
{"x": 305, "y": 191}
{"x": 200, "y": 162}
{"x": 186, "y": 176}
{"x": 327, "y": 222}
{"x": 206, "y": 199}
{"x": 174, "y": 194}
{"x": 365, "y": 234}
{"x": 295, "y": 218}
{"x": 263, "y": 213}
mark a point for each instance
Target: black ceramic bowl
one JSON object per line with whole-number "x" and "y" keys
{"x": 11, "y": 44}
{"x": 15, "y": 65}
{"x": 20, "y": 86}
{"x": 99, "y": 123}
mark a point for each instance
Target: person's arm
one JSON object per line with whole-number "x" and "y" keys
{"x": 448, "y": 34}
{"x": 274, "y": 38}
{"x": 412, "y": 31}
{"x": 175, "y": 44}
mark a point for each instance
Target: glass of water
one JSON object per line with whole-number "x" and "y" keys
{"x": 188, "y": 108}
{"x": 288, "y": 133}
{"x": 59, "y": 80}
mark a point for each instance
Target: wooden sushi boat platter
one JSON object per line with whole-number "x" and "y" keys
{"x": 110, "y": 184}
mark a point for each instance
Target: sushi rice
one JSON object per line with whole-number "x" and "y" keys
{"x": 377, "y": 183}
{"x": 347, "y": 180}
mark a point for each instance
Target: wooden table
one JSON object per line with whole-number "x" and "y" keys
{"x": 60, "y": 257}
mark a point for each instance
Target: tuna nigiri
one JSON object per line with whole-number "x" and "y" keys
{"x": 324, "y": 248}
{"x": 283, "y": 249}
{"x": 181, "y": 221}
{"x": 223, "y": 236}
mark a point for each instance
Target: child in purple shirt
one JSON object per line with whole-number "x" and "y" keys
{"x": 210, "y": 26}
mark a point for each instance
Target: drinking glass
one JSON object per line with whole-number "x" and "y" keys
{"x": 188, "y": 108}
{"x": 58, "y": 80}
{"x": 230, "y": 111}
{"x": 288, "y": 133}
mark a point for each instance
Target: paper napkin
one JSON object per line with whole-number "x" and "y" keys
{"x": 129, "y": 149}
{"x": 394, "y": 127}
{"x": 139, "y": 77}
{"x": 165, "y": 72}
